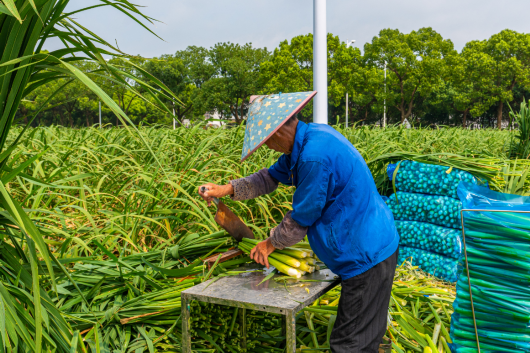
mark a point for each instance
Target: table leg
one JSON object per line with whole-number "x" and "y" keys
{"x": 284, "y": 326}
{"x": 290, "y": 321}
{"x": 243, "y": 321}
{"x": 185, "y": 313}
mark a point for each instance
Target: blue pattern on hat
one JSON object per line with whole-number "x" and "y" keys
{"x": 267, "y": 113}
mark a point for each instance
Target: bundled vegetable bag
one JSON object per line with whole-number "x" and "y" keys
{"x": 430, "y": 237}
{"x": 498, "y": 252}
{"x": 440, "y": 210}
{"x": 429, "y": 179}
{"x": 438, "y": 265}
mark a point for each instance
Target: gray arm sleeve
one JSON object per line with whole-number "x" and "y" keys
{"x": 287, "y": 233}
{"x": 254, "y": 185}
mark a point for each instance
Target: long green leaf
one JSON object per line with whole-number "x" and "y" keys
{"x": 3, "y": 318}
{"x": 5, "y": 10}
{"x": 73, "y": 344}
{"x": 36, "y": 294}
{"x": 12, "y": 8}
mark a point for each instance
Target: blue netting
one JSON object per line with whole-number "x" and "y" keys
{"x": 430, "y": 237}
{"x": 498, "y": 252}
{"x": 437, "y": 265}
{"x": 440, "y": 210}
{"x": 429, "y": 179}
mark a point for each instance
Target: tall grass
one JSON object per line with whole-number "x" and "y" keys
{"x": 107, "y": 186}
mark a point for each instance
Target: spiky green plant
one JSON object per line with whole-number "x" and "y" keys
{"x": 29, "y": 320}
{"x": 520, "y": 144}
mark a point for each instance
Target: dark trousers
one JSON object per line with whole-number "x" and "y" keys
{"x": 363, "y": 309}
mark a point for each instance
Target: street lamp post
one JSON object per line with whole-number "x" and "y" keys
{"x": 320, "y": 62}
{"x": 384, "y": 102}
{"x": 348, "y": 42}
{"x": 174, "y": 121}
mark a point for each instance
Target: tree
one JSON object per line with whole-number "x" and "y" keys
{"x": 197, "y": 62}
{"x": 88, "y": 105}
{"x": 176, "y": 76}
{"x": 290, "y": 69}
{"x": 471, "y": 79}
{"x": 62, "y": 98}
{"x": 123, "y": 92}
{"x": 510, "y": 53}
{"x": 236, "y": 78}
{"x": 414, "y": 63}
{"x": 350, "y": 72}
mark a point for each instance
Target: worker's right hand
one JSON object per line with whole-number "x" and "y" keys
{"x": 214, "y": 190}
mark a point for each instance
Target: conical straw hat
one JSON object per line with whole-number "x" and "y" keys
{"x": 267, "y": 114}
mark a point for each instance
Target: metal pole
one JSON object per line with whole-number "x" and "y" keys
{"x": 348, "y": 42}
{"x": 243, "y": 323}
{"x": 100, "y": 114}
{"x": 174, "y": 121}
{"x": 320, "y": 63}
{"x": 290, "y": 321}
{"x": 185, "y": 341}
{"x": 346, "y": 109}
{"x": 384, "y": 111}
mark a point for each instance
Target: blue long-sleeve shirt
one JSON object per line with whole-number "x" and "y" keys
{"x": 349, "y": 226}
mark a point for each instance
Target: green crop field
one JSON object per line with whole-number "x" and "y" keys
{"x": 108, "y": 186}
{"x": 128, "y": 231}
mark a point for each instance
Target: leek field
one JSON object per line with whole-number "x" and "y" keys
{"x": 127, "y": 231}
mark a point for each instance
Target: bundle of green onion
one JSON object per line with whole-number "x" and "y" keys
{"x": 492, "y": 293}
{"x": 293, "y": 261}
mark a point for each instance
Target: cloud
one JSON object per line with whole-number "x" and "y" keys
{"x": 266, "y": 23}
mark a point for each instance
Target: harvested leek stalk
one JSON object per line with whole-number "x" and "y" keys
{"x": 290, "y": 251}
{"x": 280, "y": 266}
{"x": 305, "y": 267}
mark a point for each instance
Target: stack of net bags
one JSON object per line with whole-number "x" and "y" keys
{"x": 426, "y": 209}
{"x": 498, "y": 253}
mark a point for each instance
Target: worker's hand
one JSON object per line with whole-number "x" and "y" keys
{"x": 261, "y": 252}
{"x": 213, "y": 190}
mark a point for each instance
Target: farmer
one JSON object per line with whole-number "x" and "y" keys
{"x": 336, "y": 204}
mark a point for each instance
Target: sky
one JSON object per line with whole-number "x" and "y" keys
{"x": 267, "y": 23}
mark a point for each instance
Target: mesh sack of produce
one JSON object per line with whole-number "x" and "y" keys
{"x": 430, "y": 237}
{"x": 437, "y": 265}
{"x": 498, "y": 253}
{"x": 429, "y": 179}
{"x": 440, "y": 210}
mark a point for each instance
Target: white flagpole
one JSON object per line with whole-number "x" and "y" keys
{"x": 320, "y": 63}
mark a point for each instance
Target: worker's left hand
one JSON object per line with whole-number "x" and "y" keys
{"x": 261, "y": 252}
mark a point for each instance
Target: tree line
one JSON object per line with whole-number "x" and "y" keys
{"x": 427, "y": 82}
